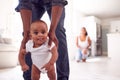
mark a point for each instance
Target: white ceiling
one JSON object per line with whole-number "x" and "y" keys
{"x": 100, "y": 8}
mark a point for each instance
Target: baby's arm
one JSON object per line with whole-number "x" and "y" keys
{"x": 53, "y": 59}
{"x": 54, "y": 55}
{"x": 22, "y": 60}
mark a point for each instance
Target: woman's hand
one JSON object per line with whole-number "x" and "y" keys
{"x": 84, "y": 51}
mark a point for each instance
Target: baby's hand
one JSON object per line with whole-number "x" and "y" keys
{"x": 47, "y": 66}
{"x": 23, "y": 51}
{"x": 25, "y": 67}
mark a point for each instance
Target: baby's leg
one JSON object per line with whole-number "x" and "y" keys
{"x": 51, "y": 74}
{"x": 35, "y": 73}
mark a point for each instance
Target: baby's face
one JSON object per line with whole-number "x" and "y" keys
{"x": 39, "y": 33}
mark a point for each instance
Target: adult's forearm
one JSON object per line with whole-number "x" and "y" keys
{"x": 26, "y": 20}
{"x": 55, "y": 17}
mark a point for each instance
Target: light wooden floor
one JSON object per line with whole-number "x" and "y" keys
{"x": 99, "y": 68}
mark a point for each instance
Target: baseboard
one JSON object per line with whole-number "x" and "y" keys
{"x": 104, "y": 53}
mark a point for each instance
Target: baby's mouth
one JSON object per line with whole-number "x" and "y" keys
{"x": 40, "y": 39}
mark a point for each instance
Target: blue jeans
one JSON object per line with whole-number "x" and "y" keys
{"x": 27, "y": 74}
{"x": 80, "y": 55}
{"x": 62, "y": 64}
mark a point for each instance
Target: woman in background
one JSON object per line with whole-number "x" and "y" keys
{"x": 83, "y": 43}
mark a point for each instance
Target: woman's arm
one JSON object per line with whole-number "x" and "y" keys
{"x": 77, "y": 44}
{"x": 77, "y": 41}
{"x": 89, "y": 42}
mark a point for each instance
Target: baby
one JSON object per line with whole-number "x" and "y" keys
{"x": 43, "y": 56}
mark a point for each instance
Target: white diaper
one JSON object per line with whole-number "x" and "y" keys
{"x": 43, "y": 70}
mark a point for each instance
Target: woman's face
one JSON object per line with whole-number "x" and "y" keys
{"x": 83, "y": 31}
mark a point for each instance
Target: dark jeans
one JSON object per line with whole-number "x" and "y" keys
{"x": 27, "y": 74}
{"x": 62, "y": 64}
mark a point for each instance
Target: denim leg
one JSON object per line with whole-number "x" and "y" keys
{"x": 27, "y": 74}
{"x": 84, "y": 56}
{"x": 37, "y": 12}
{"x": 78, "y": 55}
{"x": 62, "y": 63}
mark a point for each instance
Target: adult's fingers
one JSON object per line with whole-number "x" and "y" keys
{"x": 56, "y": 42}
{"x": 50, "y": 42}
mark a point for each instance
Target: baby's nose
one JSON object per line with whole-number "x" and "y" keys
{"x": 40, "y": 34}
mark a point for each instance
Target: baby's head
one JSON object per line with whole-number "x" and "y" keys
{"x": 39, "y": 32}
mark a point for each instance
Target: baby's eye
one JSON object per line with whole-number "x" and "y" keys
{"x": 43, "y": 32}
{"x": 36, "y": 33}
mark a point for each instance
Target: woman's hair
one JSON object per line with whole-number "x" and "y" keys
{"x": 85, "y": 30}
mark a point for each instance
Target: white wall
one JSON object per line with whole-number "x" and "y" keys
{"x": 115, "y": 26}
{"x": 10, "y": 21}
{"x": 106, "y": 27}
{"x": 4, "y": 15}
